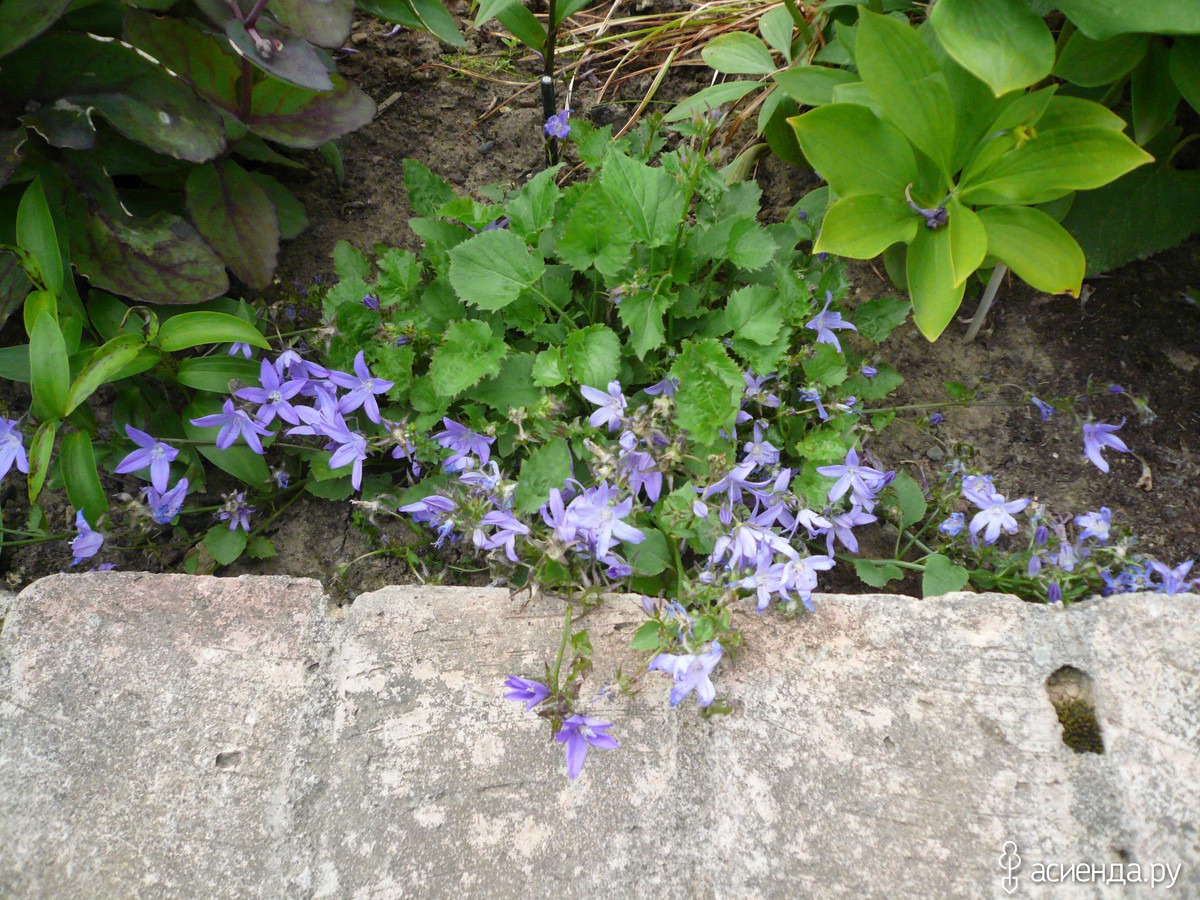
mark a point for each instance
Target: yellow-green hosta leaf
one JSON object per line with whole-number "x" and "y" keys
{"x": 936, "y": 296}
{"x": 856, "y": 151}
{"x": 1002, "y": 42}
{"x": 968, "y": 240}
{"x": 863, "y": 227}
{"x": 1038, "y": 249}
{"x": 1090, "y": 63}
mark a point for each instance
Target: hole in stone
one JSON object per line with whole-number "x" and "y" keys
{"x": 229, "y": 760}
{"x": 1070, "y": 691}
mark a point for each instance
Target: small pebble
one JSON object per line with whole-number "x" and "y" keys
{"x": 936, "y": 453}
{"x": 360, "y": 37}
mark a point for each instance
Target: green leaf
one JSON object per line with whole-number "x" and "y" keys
{"x": 883, "y": 382}
{"x": 80, "y": 477}
{"x": 106, "y": 362}
{"x": 904, "y": 79}
{"x": 911, "y": 499}
{"x": 349, "y": 262}
{"x": 1153, "y": 94}
{"x": 1003, "y": 42}
{"x": 651, "y": 199}
{"x": 238, "y": 460}
{"x": 879, "y": 317}
{"x": 1145, "y": 212}
{"x": 837, "y": 139}
{"x": 826, "y": 366}
{"x": 550, "y": 369}
{"x": 325, "y": 24}
{"x": 158, "y": 260}
{"x": 513, "y": 387}
{"x": 49, "y": 366}
{"x": 776, "y": 27}
{"x": 237, "y": 218}
{"x": 750, "y": 246}
{"x": 40, "y": 449}
{"x": 426, "y": 192}
{"x": 1052, "y": 164}
{"x": 642, "y": 313}
{"x": 942, "y": 577}
{"x": 710, "y": 98}
{"x": 936, "y": 296}
{"x": 1185, "y": 69}
{"x": 524, "y": 26}
{"x": 261, "y": 548}
{"x": 225, "y": 544}
{"x": 296, "y": 62}
{"x": 755, "y": 313}
{"x": 593, "y": 355}
{"x": 738, "y": 53}
{"x": 417, "y": 14}
{"x": 968, "y": 240}
{"x": 469, "y": 353}
{"x": 652, "y": 555}
{"x": 1102, "y": 19}
{"x": 289, "y": 211}
{"x": 549, "y": 466}
{"x": 492, "y": 269}
{"x": 812, "y": 85}
{"x": 875, "y": 573}
{"x": 36, "y": 234}
{"x": 304, "y": 119}
{"x": 23, "y": 20}
{"x": 531, "y": 209}
{"x": 1037, "y": 248}
{"x": 214, "y": 373}
{"x": 646, "y": 637}
{"x": 710, "y": 389}
{"x": 862, "y": 227}
{"x": 596, "y": 233}
{"x": 1090, "y": 63}
{"x": 198, "y": 57}
{"x": 192, "y": 329}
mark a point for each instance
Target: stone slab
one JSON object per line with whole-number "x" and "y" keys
{"x": 880, "y": 747}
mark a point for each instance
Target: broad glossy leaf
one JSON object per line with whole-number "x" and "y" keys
{"x": 1102, "y": 19}
{"x": 856, "y": 151}
{"x": 1003, "y": 42}
{"x": 1153, "y": 93}
{"x": 968, "y": 240}
{"x": 777, "y": 27}
{"x": 936, "y": 296}
{"x": 82, "y": 481}
{"x": 36, "y": 235}
{"x": 491, "y": 269}
{"x": 1185, "y": 69}
{"x": 23, "y": 20}
{"x": 40, "y": 449}
{"x": 237, "y": 219}
{"x": 214, "y": 373}
{"x": 1039, "y": 250}
{"x": 238, "y": 460}
{"x": 565, "y": 8}
{"x": 710, "y": 98}
{"x": 290, "y": 212}
{"x": 738, "y": 53}
{"x": 192, "y": 329}
{"x": 812, "y": 85}
{"x": 1090, "y": 63}
{"x": 776, "y": 112}
{"x": 138, "y": 97}
{"x": 156, "y": 260}
{"x": 50, "y": 367}
{"x": 423, "y": 15}
{"x": 325, "y": 23}
{"x": 652, "y": 200}
{"x": 63, "y": 124}
{"x": 203, "y": 60}
{"x": 108, "y": 360}
{"x": 975, "y": 106}
{"x": 1052, "y": 164}
{"x": 710, "y": 389}
{"x": 904, "y": 79}
{"x": 593, "y": 355}
{"x": 305, "y": 119}
{"x": 14, "y": 363}
{"x": 523, "y": 25}
{"x": 469, "y": 353}
{"x": 296, "y": 62}
{"x": 863, "y": 227}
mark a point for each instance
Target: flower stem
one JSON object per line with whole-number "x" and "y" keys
{"x": 989, "y": 295}
{"x": 562, "y": 645}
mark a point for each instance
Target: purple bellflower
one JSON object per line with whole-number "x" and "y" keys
{"x": 1174, "y": 581}
{"x": 953, "y": 525}
{"x": 826, "y": 322}
{"x": 234, "y": 423}
{"x": 691, "y": 673}
{"x": 165, "y": 506}
{"x": 863, "y": 482}
{"x": 579, "y": 733}
{"x": 1044, "y": 408}
{"x": 236, "y": 511}
{"x": 612, "y": 405}
{"x": 12, "y": 448}
{"x": 557, "y": 125}
{"x": 243, "y": 349}
{"x": 523, "y": 690}
{"x": 1095, "y": 524}
{"x": 508, "y": 528}
{"x": 798, "y": 574}
{"x": 667, "y": 387}
{"x": 362, "y": 389}
{"x": 274, "y": 394}
{"x": 87, "y": 543}
{"x": 464, "y": 442}
{"x": 153, "y": 454}
{"x": 1096, "y": 437}
{"x": 996, "y": 515}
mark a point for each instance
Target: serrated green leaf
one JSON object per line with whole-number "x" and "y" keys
{"x": 942, "y": 577}
{"x": 593, "y": 355}
{"x": 755, "y": 313}
{"x": 883, "y": 382}
{"x": 549, "y": 466}
{"x": 642, "y": 313}
{"x": 911, "y": 498}
{"x": 863, "y": 227}
{"x": 650, "y": 198}
{"x": 225, "y": 544}
{"x": 646, "y": 637}
{"x": 332, "y": 488}
{"x": 750, "y": 246}
{"x": 596, "y": 233}
{"x": 826, "y": 366}
{"x": 469, "y": 353}
{"x": 80, "y": 478}
{"x": 549, "y": 368}
{"x": 426, "y": 191}
{"x": 531, "y": 209}
{"x": 513, "y": 387}
{"x": 1034, "y": 246}
{"x": 879, "y": 317}
{"x": 491, "y": 269}
{"x": 193, "y": 329}
{"x": 876, "y": 574}
{"x": 738, "y": 53}
{"x": 1002, "y": 42}
{"x": 652, "y": 555}
{"x": 710, "y": 389}
{"x": 261, "y": 548}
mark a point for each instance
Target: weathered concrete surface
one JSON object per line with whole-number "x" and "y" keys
{"x": 881, "y": 747}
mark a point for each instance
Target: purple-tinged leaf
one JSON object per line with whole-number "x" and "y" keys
{"x": 63, "y": 124}
{"x": 23, "y": 20}
{"x": 305, "y": 119}
{"x": 237, "y": 218}
{"x": 204, "y": 61}
{"x": 293, "y": 220}
{"x": 10, "y": 146}
{"x": 157, "y": 260}
{"x": 279, "y": 52}
{"x": 326, "y": 24}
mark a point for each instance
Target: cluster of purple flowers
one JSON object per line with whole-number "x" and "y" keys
{"x": 578, "y": 732}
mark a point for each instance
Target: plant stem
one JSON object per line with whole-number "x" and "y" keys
{"x": 985, "y": 304}
{"x": 257, "y": 10}
{"x": 275, "y": 515}
{"x": 562, "y": 645}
